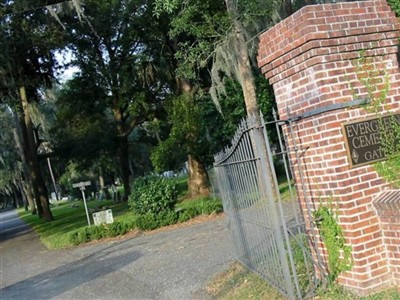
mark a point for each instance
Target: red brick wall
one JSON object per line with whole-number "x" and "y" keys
{"x": 309, "y": 60}
{"x": 388, "y": 207}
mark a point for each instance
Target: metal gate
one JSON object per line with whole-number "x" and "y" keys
{"x": 265, "y": 219}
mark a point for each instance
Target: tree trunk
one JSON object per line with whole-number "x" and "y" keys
{"x": 123, "y": 145}
{"x": 24, "y": 199}
{"x": 246, "y": 73}
{"x": 103, "y": 187}
{"x": 38, "y": 185}
{"x": 198, "y": 178}
{"x": 124, "y": 164}
{"x": 287, "y": 8}
{"x": 30, "y": 175}
{"x": 27, "y": 198}
{"x": 198, "y": 183}
{"x": 25, "y": 190}
{"x": 249, "y": 88}
{"x": 15, "y": 199}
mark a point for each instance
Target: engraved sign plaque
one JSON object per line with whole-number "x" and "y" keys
{"x": 103, "y": 217}
{"x": 363, "y": 138}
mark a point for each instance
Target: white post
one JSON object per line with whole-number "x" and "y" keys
{"x": 81, "y": 186}
{"x": 52, "y": 177}
{"x": 84, "y": 201}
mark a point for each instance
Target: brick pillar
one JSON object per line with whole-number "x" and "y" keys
{"x": 308, "y": 59}
{"x": 388, "y": 207}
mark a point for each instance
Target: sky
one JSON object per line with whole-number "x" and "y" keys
{"x": 65, "y": 57}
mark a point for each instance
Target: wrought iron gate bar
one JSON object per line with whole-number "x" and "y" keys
{"x": 303, "y": 187}
{"x": 268, "y": 233}
{"x": 239, "y": 162}
{"x": 253, "y": 222}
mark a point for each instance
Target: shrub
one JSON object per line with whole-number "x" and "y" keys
{"x": 166, "y": 218}
{"x": 202, "y": 206}
{"x": 153, "y": 195}
{"x": 395, "y": 5}
{"x": 118, "y": 228}
{"x": 97, "y": 232}
{"x": 152, "y": 221}
{"x": 80, "y": 237}
{"x": 147, "y": 221}
{"x": 88, "y": 234}
{"x": 339, "y": 254}
{"x": 211, "y": 205}
{"x": 187, "y": 214}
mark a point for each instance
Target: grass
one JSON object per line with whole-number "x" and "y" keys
{"x": 284, "y": 189}
{"x": 182, "y": 185}
{"x": 336, "y": 292}
{"x": 70, "y": 216}
{"x": 203, "y": 204}
{"x": 238, "y": 283}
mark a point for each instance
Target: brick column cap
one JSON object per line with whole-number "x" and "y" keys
{"x": 318, "y": 26}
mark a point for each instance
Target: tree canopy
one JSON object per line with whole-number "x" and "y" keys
{"x": 148, "y": 72}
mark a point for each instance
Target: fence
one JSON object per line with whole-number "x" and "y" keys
{"x": 265, "y": 220}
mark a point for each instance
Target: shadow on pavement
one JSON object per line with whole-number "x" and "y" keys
{"x": 12, "y": 226}
{"x": 49, "y": 284}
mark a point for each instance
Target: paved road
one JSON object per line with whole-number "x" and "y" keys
{"x": 170, "y": 265}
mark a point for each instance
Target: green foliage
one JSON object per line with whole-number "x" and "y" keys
{"x": 335, "y": 291}
{"x": 375, "y": 81}
{"x": 80, "y": 237}
{"x": 147, "y": 221}
{"x": 390, "y": 139}
{"x": 150, "y": 221}
{"x": 96, "y": 232}
{"x": 154, "y": 199}
{"x": 69, "y": 217}
{"x": 197, "y": 26}
{"x": 339, "y": 254}
{"x": 238, "y": 283}
{"x": 166, "y": 218}
{"x": 300, "y": 247}
{"x": 390, "y": 170}
{"x": 395, "y": 5}
{"x": 233, "y": 110}
{"x": 119, "y": 228}
{"x": 152, "y": 194}
{"x": 188, "y": 134}
{"x": 378, "y": 86}
{"x": 187, "y": 214}
{"x": 122, "y": 80}
{"x": 202, "y": 206}
{"x": 88, "y": 234}
{"x": 10, "y": 157}
{"x": 70, "y": 224}
{"x": 198, "y": 128}
{"x": 184, "y": 117}
{"x": 73, "y": 174}
{"x": 206, "y": 205}
{"x": 184, "y": 212}
{"x": 84, "y": 132}
{"x": 202, "y": 26}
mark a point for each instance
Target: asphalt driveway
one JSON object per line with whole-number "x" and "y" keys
{"x": 174, "y": 264}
